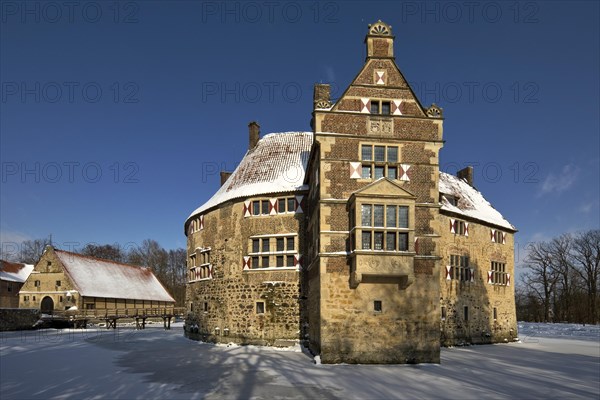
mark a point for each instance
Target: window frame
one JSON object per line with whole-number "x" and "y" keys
{"x": 372, "y": 165}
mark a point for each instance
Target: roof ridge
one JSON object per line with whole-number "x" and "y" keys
{"x": 101, "y": 259}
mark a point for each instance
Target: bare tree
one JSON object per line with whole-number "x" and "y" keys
{"x": 586, "y": 256}
{"x": 542, "y": 275}
{"x": 560, "y": 249}
{"x": 32, "y": 250}
{"x": 106, "y": 252}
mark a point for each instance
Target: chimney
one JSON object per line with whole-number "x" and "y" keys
{"x": 224, "y": 176}
{"x": 254, "y": 134}
{"x": 322, "y": 95}
{"x": 379, "y": 40}
{"x": 466, "y": 174}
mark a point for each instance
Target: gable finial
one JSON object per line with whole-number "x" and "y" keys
{"x": 380, "y": 28}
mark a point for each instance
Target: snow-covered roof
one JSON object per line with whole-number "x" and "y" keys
{"x": 471, "y": 202}
{"x": 14, "y": 272}
{"x": 94, "y": 277}
{"x": 277, "y": 164}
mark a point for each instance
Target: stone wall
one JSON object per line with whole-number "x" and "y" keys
{"x": 224, "y": 308}
{"x": 14, "y": 319}
{"x": 479, "y": 296}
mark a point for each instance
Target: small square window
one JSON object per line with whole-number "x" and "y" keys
{"x": 265, "y": 262}
{"x": 374, "y": 107}
{"x": 366, "y": 240}
{"x": 280, "y": 244}
{"x": 378, "y": 240}
{"x": 36, "y": 283}
{"x": 265, "y": 207}
{"x": 281, "y": 205}
{"x": 385, "y": 107}
{"x": 377, "y": 306}
{"x": 289, "y": 261}
{"x": 57, "y": 283}
{"x": 279, "y": 261}
{"x": 255, "y": 262}
{"x": 366, "y": 172}
{"x": 392, "y": 154}
{"x": 367, "y": 152}
{"x": 265, "y": 245}
{"x": 291, "y": 204}
{"x": 403, "y": 241}
{"x": 255, "y": 245}
{"x": 390, "y": 241}
{"x": 290, "y": 244}
{"x": 260, "y": 307}
{"x": 379, "y": 171}
{"x": 256, "y": 207}
{"x": 392, "y": 173}
{"x": 380, "y": 153}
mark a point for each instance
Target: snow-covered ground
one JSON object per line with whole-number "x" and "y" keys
{"x": 159, "y": 364}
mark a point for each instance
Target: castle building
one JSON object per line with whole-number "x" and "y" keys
{"x": 349, "y": 238}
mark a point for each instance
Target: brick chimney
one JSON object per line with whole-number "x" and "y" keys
{"x": 380, "y": 41}
{"x": 321, "y": 94}
{"x": 224, "y": 176}
{"x": 466, "y": 174}
{"x": 253, "y": 134}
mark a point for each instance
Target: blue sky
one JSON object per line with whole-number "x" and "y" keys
{"x": 117, "y": 116}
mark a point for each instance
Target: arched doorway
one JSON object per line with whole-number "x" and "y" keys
{"x": 47, "y": 305}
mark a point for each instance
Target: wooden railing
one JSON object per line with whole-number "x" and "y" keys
{"x": 123, "y": 312}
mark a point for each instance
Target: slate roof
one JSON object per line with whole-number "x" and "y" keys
{"x": 276, "y": 165}
{"x": 471, "y": 203}
{"x": 94, "y": 277}
{"x": 14, "y": 272}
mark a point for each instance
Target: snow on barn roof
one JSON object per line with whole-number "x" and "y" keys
{"x": 94, "y": 277}
{"x": 470, "y": 202}
{"x": 14, "y": 272}
{"x": 277, "y": 164}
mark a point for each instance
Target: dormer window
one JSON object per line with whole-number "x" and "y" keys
{"x": 453, "y": 200}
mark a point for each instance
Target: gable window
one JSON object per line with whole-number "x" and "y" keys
{"x": 37, "y": 283}
{"x": 379, "y": 161}
{"x": 377, "y": 306}
{"x": 58, "y": 283}
{"x": 380, "y": 107}
{"x": 260, "y": 307}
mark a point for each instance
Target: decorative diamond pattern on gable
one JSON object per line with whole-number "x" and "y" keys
{"x": 396, "y": 107}
{"x": 380, "y": 77}
{"x": 355, "y": 170}
{"x": 247, "y": 208}
{"x": 365, "y": 105}
{"x": 403, "y": 173}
